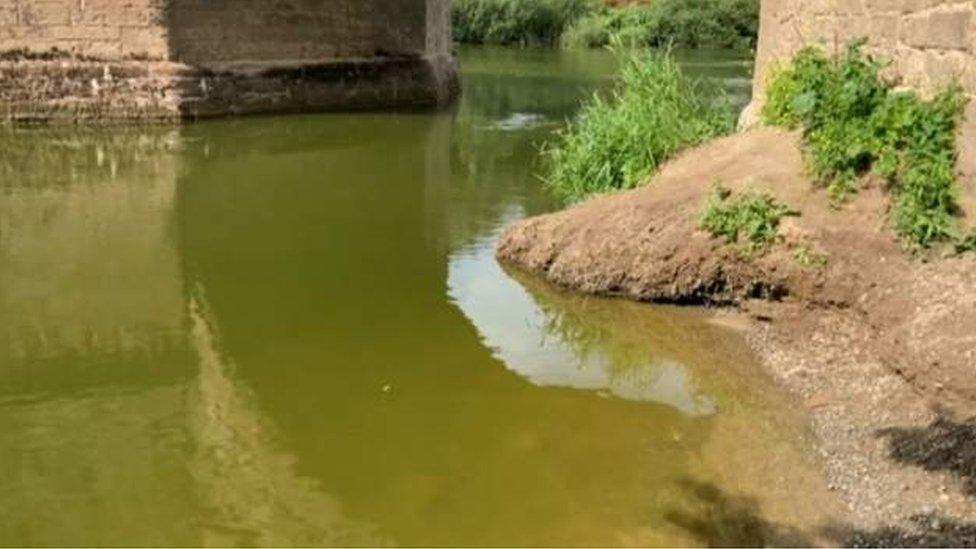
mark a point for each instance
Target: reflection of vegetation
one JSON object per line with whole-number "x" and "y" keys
{"x": 681, "y": 23}
{"x": 855, "y": 122}
{"x": 617, "y": 143}
{"x": 628, "y": 334}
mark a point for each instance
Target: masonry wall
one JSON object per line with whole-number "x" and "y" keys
{"x": 930, "y": 43}
{"x": 105, "y": 29}
{"x": 144, "y": 60}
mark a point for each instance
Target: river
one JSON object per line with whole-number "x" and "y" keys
{"x": 292, "y": 331}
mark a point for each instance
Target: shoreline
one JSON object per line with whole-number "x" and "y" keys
{"x": 860, "y": 411}
{"x": 873, "y": 343}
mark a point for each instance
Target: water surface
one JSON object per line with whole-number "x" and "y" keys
{"x": 292, "y": 331}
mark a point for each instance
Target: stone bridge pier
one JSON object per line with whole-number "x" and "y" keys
{"x": 93, "y": 61}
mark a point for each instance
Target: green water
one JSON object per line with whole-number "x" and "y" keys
{"x": 292, "y": 331}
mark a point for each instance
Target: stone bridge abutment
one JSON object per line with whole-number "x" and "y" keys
{"x": 89, "y": 61}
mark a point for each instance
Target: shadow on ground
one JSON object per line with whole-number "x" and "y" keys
{"x": 943, "y": 445}
{"x": 930, "y": 530}
{"x": 717, "y": 519}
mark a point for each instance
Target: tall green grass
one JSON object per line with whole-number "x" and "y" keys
{"x": 617, "y": 142}
{"x": 855, "y": 122}
{"x": 682, "y": 23}
{"x": 516, "y": 22}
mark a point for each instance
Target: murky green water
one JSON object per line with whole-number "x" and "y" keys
{"x": 291, "y": 331}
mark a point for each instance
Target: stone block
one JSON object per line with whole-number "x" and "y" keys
{"x": 144, "y": 42}
{"x": 39, "y": 13}
{"x": 944, "y": 29}
{"x": 84, "y": 33}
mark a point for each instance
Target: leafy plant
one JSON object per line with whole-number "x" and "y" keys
{"x": 617, "y": 142}
{"x": 854, "y": 122}
{"x": 751, "y": 215}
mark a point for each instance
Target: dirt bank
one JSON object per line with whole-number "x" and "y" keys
{"x": 880, "y": 346}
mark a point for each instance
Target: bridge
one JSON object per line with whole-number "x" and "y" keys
{"x": 91, "y": 61}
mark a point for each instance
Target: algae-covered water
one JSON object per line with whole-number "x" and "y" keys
{"x": 292, "y": 331}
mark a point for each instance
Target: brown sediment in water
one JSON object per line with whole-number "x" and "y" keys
{"x": 878, "y": 345}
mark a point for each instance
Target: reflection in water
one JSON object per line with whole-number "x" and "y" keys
{"x": 549, "y": 345}
{"x": 250, "y": 492}
{"x": 94, "y": 359}
{"x": 276, "y": 331}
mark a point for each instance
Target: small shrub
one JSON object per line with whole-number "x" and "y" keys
{"x": 854, "y": 122}
{"x": 754, "y": 216}
{"x": 619, "y": 141}
{"x": 809, "y": 258}
{"x": 516, "y": 22}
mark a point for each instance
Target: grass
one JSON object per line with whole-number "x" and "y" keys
{"x": 591, "y": 23}
{"x": 966, "y": 243}
{"x": 855, "y": 122}
{"x": 751, "y": 216}
{"x": 806, "y": 256}
{"x": 516, "y": 22}
{"x": 617, "y": 142}
{"x": 681, "y": 23}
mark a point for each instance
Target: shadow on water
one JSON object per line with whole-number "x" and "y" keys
{"x": 717, "y": 519}
{"x": 943, "y": 445}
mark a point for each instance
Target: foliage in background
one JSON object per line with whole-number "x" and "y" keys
{"x": 854, "y": 122}
{"x": 516, "y": 22}
{"x": 681, "y": 23}
{"x": 591, "y": 23}
{"x": 751, "y": 215}
{"x": 619, "y": 141}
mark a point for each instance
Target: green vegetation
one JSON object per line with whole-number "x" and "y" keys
{"x": 591, "y": 23}
{"x": 516, "y": 22}
{"x": 681, "y": 23}
{"x": 618, "y": 142}
{"x": 966, "y": 243}
{"x": 855, "y": 122}
{"x": 752, "y": 215}
{"x": 806, "y": 256}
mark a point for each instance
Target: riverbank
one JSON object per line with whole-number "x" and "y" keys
{"x": 875, "y": 343}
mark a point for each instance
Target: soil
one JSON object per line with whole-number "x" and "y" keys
{"x": 878, "y": 343}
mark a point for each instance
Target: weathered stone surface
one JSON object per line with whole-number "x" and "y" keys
{"x": 945, "y": 29}
{"x": 930, "y": 43}
{"x": 76, "y": 60}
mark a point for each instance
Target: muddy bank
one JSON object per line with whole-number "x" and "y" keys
{"x": 879, "y": 346}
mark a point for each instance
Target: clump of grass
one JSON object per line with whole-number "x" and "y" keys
{"x": 682, "y": 23}
{"x": 855, "y": 122}
{"x": 806, "y": 256}
{"x": 751, "y": 215}
{"x": 617, "y": 142}
{"x": 516, "y": 22}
